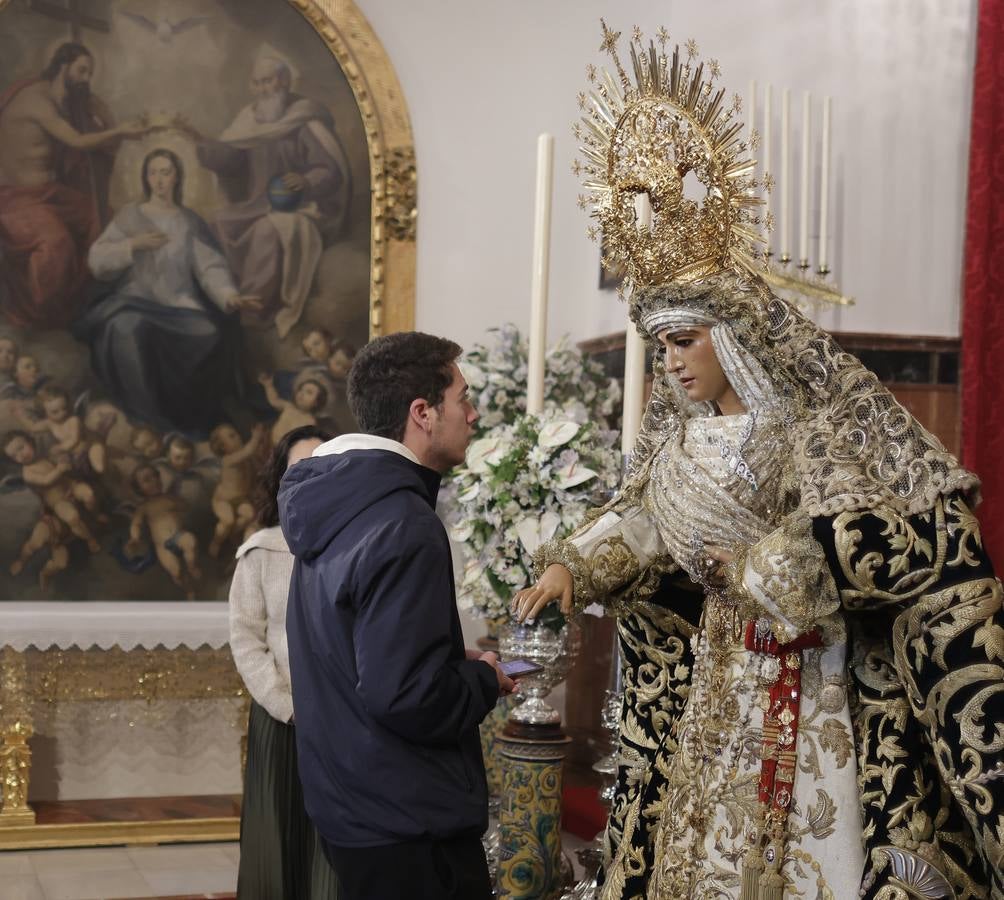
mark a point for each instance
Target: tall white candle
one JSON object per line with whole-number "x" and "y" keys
{"x": 803, "y": 217}
{"x": 541, "y": 269}
{"x": 765, "y": 156}
{"x": 634, "y": 355}
{"x": 785, "y": 158}
{"x": 824, "y": 186}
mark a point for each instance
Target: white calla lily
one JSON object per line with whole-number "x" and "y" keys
{"x": 534, "y": 531}
{"x": 485, "y": 452}
{"x": 572, "y": 475}
{"x": 556, "y": 433}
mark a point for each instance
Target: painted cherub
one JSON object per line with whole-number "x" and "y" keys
{"x": 72, "y": 439}
{"x": 52, "y": 482}
{"x": 340, "y": 360}
{"x": 317, "y": 345}
{"x": 49, "y": 532}
{"x": 309, "y": 397}
{"x": 9, "y": 353}
{"x": 326, "y": 353}
{"x": 27, "y": 378}
{"x": 161, "y": 514}
{"x": 232, "y": 504}
{"x": 147, "y": 443}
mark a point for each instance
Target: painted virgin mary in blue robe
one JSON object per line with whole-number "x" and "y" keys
{"x": 164, "y": 339}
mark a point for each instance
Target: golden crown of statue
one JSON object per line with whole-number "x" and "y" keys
{"x": 665, "y": 130}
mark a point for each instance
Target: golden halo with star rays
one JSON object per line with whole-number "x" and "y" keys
{"x": 649, "y": 132}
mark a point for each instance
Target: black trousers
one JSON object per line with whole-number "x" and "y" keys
{"x": 452, "y": 869}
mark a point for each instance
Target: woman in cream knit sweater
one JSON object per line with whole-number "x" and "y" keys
{"x": 280, "y": 853}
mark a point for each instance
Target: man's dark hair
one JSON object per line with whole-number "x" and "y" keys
{"x": 179, "y": 171}
{"x": 266, "y": 496}
{"x": 392, "y": 371}
{"x": 65, "y": 55}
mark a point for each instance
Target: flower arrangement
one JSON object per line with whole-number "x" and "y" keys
{"x": 573, "y": 383}
{"x": 524, "y": 483}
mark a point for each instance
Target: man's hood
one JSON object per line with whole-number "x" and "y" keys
{"x": 319, "y": 497}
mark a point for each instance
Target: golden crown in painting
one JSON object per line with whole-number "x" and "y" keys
{"x": 664, "y": 129}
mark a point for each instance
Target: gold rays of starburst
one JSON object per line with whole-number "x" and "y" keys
{"x": 689, "y": 126}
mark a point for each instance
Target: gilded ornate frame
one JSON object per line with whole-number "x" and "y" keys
{"x": 381, "y": 103}
{"x": 185, "y": 673}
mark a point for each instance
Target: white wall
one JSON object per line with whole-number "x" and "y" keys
{"x": 483, "y": 78}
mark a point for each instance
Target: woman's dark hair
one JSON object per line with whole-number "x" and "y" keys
{"x": 179, "y": 171}
{"x": 66, "y": 55}
{"x": 392, "y": 371}
{"x": 266, "y": 500}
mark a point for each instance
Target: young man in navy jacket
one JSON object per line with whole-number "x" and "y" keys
{"x": 386, "y": 699}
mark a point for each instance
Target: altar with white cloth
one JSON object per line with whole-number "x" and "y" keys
{"x": 99, "y": 699}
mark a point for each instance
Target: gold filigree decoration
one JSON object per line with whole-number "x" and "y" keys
{"x": 654, "y": 131}
{"x": 400, "y": 203}
{"x": 910, "y": 561}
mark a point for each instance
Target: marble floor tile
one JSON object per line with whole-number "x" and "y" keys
{"x": 172, "y": 882}
{"x": 95, "y": 884}
{"x": 13, "y": 862}
{"x": 21, "y": 887}
{"x": 180, "y": 857}
{"x": 88, "y": 859}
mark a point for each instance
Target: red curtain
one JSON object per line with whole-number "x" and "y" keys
{"x": 983, "y": 301}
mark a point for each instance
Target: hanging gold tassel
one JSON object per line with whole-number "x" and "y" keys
{"x": 753, "y": 866}
{"x": 772, "y": 881}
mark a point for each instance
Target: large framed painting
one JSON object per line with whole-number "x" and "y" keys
{"x": 206, "y": 207}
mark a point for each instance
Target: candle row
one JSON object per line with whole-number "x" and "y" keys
{"x": 634, "y": 363}
{"x": 784, "y": 217}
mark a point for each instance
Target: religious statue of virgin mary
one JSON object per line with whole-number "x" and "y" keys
{"x": 831, "y": 722}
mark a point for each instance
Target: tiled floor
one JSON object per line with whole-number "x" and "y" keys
{"x": 119, "y": 872}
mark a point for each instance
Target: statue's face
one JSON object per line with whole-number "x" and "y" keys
{"x": 691, "y": 357}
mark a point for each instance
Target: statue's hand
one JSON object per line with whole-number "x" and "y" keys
{"x": 555, "y": 584}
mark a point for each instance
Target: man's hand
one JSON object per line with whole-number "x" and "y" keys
{"x": 148, "y": 240}
{"x": 506, "y": 684}
{"x": 293, "y": 181}
{"x": 555, "y": 584}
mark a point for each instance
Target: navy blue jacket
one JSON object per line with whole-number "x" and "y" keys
{"x": 386, "y": 704}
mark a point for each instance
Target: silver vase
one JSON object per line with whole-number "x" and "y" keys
{"x": 555, "y": 651}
